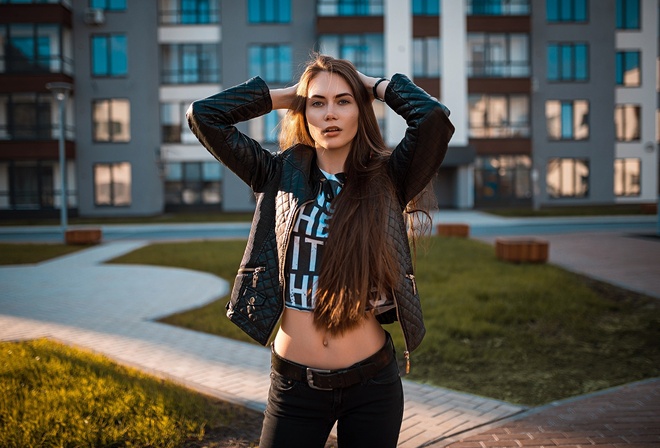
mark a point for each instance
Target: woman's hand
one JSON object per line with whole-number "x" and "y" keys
{"x": 369, "y": 83}
{"x": 283, "y": 98}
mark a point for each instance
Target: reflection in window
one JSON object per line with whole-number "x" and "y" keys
{"x": 188, "y": 12}
{"x": 269, "y": 11}
{"x": 495, "y": 55}
{"x": 628, "y": 68}
{"x": 190, "y": 63}
{"x": 498, "y": 7}
{"x": 271, "y": 62}
{"x": 426, "y": 7}
{"x": 426, "y": 57}
{"x": 627, "y": 177}
{"x": 568, "y": 62}
{"x": 502, "y": 178}
{"x": 111, "y": 120}
{"x": 109, "y": 55}
{"x": 365, "y": 51}
{"x": 498, "y": 116}
{"x": 35, "y": 48}
{"x": 627, "y": 14}
{"x": 108, "y": 5}
{"x": 112, "y": 184}
{"x": 174, "y": 127}
{"x": 627, "y": 119}
{"x": 568, "y": 178}
{"x": 567, "y": 10}
{"x": 193, "y": 183}
{"x": 567, "y": 120}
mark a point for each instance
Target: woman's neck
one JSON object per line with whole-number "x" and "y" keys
{"x": 331, "y": 161}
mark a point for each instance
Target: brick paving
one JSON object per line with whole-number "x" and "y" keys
{"x": 626, "y": 416}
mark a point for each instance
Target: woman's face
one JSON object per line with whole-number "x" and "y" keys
{"x": 332, "y": 113}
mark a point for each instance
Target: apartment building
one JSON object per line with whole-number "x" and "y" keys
{"x": 555, "y": 102}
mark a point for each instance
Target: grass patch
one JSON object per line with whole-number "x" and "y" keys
{"x": 582, "y": 210}
{"x": 527, "y": 334}
{"x": 54, "y": 396}
{"x": 167, "y": 218}
{"x": 32, "y": 253}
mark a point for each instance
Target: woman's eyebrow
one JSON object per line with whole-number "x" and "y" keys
{"x": 339, "y": 95}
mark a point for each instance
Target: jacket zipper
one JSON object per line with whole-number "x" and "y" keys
{"x": 406, "y": 352}
{"x": 255, "y": 273}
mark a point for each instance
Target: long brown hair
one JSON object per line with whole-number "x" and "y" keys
{"x": 359, "y": 261}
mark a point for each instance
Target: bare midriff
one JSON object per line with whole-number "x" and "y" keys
{"x": 299, "y": 340}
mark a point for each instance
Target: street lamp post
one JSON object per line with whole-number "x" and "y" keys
{"x": 60, "y": 91}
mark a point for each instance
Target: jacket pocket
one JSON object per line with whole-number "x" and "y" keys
{"x": 248, "y": 307}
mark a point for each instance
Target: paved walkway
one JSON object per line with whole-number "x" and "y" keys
{"x": 111, "y": 309}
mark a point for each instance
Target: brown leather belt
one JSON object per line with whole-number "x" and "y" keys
{"x": 335, "y": 379}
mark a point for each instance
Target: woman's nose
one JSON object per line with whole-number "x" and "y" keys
{"x": 330, "y": 113}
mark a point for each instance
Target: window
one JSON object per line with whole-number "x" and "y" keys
{"x": 190, "y": 63}
{"x": 567, "y": 10}
{"x": 627, "y": 121}
{"x": 426, "y": 57}
{"x": 35, "y": 48}
{"x": 265, "y": 128}
{"x": 269, "y": 11}
{"x": 350, "y": 7}
{"x": 112, "y": 184}
{"x": 193, "y": 183}
{"x": 502, "y": 178}
{"x": 498, "y": 55}
{"x": 29, "y": 185}
{"x": 188, "y": 12}
{"x": 627, "y": 15}
{"x": 568, "y": 178}
{"x": 568, "y": 62}
{"x": 271, "y": 62}
{"x": 498, "y": 7}
{"x": 30, "y": 116}
{"x": 498, "y": 116}
{"x": 567, "y": 120}
{"x": 111, "y": 120}
{"x": 108, "y": 5}
{"x": 628, "y": 68}
{"x": 109, "y": 55}
{"x": 365, "y": 51}
{"x": 173, "y": 124}
{"x": 426, "y": 7}
{"x": 627, "y": 174}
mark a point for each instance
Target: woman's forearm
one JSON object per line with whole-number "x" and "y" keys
{"x": 283, "y": 98}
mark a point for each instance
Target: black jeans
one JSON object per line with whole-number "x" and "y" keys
{"x": 368, "y": 414}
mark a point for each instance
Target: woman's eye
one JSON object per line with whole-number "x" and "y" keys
{"x": 344, "y": 102}
{"x": 317, "y": 104}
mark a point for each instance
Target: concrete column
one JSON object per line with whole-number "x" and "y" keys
{"x": 398, "y": 57}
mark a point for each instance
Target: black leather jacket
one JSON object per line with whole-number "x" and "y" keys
{"x": 284, "y": 181}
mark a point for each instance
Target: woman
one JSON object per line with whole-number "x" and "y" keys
{"x": 328, "y": 255}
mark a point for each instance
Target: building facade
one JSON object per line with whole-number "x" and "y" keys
{"x": 555, "y": 102}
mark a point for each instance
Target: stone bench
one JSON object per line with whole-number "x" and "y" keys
{"x": 455, "y": 230}
{"x": 521, "y": 250}
{"x": 83, "y": 236}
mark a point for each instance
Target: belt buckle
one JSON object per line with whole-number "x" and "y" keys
{"x": 309, "y": 374}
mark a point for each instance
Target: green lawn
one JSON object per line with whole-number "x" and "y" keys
{"x": 56, "y": 396}
{"x": 32, "y": 253}
{"x": 527, "y": 334}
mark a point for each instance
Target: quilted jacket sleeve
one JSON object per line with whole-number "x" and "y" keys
{"x": 418, "y": 156}
{"x": 213, "y": 120}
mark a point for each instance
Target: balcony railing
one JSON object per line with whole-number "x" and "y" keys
{"x": 49, "y": 64}
{"x": 189, "y": 17}
{"x": 498, "y": 7}
{"x": 350, "y": 8}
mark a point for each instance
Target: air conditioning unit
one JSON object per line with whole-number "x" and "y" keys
{"x": 94, "y": 16}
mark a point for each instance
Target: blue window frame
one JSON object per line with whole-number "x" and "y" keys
{"x": 567, "y": 10}
{"x": 108, "y": 5}
{"x": 568, "y": 62}
{"x": 627, "y": 14}
{"x": 109, "y": 55}
{"x": 628, "y": 68}
{"x": 271, "y": 62}
{"x": 498, "y": 7}
{"x": 269, "y": 11}
{"x": 365, "y": 51}
{"x": 426, "y": 7}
